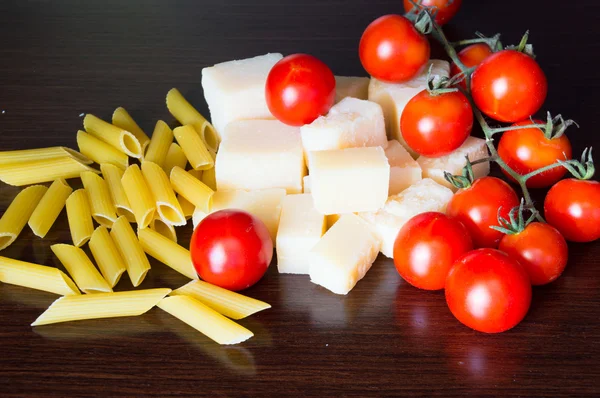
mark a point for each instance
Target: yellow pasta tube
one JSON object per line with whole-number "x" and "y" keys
{"x": 161, "y": 141}
{"x": 131, "y": 251}
{"x": 79, "y": 215}
{"x": 185, "y": 113}
{"x": 209, "y": 178}
{"x": 49, "y": 207}
{"x": 112, "y": 175}
{"x": 107, "y": 256}
{"x": 175, "y": 157}
{"x": 139, "y": 196}
{"x": 35, "y": 276}
{"x": 165, "y": 229}
{"x": 167, "y": 206}
{"x": 167, "y": 252}
{"x": 18, "y": 213}
{"x": 187, "y": 207}
{"x": 226, "y": 302}
{"x": 205, "y": 320}
{"x": 101, "y": 305}
{"x": 192, "y": 189}
{"x": 43, "y": 170}
{"x": 99, "y": 151}
{"x": 28, "y": 155}
{"x": 122, "y": 119}
{"x": 103, "y": 208}
{"x": 194, "y": 148}
{"x": 81, "y": 269}
{"x": 121, "y": 139}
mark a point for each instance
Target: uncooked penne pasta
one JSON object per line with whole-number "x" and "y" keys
{"x": 28, "y": 155}
{"x": 161, "y": 141}
{"x": 226, "y": 302}
{"x": 167, "y": 252}
{"x": 205, "y": 320}
{"x": 49, "y": 207}
{"x": 43, "y": 170}
{"x": 101, "y": 204}
{"x": 18, "y": 213}
{"x": 99, "y": 151}
{"x": 139, "y": 196}
{"x": 35, "y": 276}
{"x": 131, "y": 251}
{"x": 101, "y": 305}
{"x": 167, "y": 206}
{"x": 192, "y": 189}
{"x": 194, "y": 148}
{"x": 198, "y": 216}
{"x": 175, "y": 157}
{"x": 209, "y": 178}
{"x": 121, "y": 139}
{"x": 112, "y": 175}
{"x": 165, "y": 229}
{"x": 79, "y": 215}
{"x": 107, "y": 256}
{"x": 81, "y": 269}
{"x": 187, "y": 207}
{"x": 197, "y": 174}
{"x": 122, "y": 119}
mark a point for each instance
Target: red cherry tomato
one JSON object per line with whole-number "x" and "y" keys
{"x": 471, "y": 56}
{"x": 540, "y": 249}
{"x": 392, "y": 49}
{"x": 573, "y": 207}
{"x": 446, "y": 9}
{"x": 427, "y": 246}
{"x": 231, "y": 249}
{"x": 509, "y": 86}
{"x": 477, "y": 208}
{"x": 528, "y": 149}
{"x": 488, "y": 291}
{"x": 435, "y": 125}
{"x": 299, "y": 89}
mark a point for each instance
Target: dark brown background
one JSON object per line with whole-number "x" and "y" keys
{"x": 62, "y": 58}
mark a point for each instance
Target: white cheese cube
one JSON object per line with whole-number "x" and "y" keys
{"x": 453, "y": 163}
{"x": 349, "y": 180}
{"x": 386, "y": 226}
{"x": 404, "y": 170}
{"x": 343, "y": 255}
{"x": 350, "y": 86}
{"x": 393, "y": 97}
{"x": 235, "y": 90}
{"x": 260, "y": 154}
{"x": 300, "y": 228}
{"x": 306, "y": 184}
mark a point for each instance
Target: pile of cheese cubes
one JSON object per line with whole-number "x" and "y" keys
{"x": 333, "y": 193}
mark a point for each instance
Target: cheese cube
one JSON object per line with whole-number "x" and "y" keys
{"x": 306, "y": 184}
{"x": 343, "y": 255}
{"x": 350, "y": 86}
{"x": 393, "y": 97}
{"x": 300, "y": 228}
{"x": 386, "y": 227}
{"x": 235, "y": 90}
{"x": 349, "y": 180}
{"x": 260, "y": 154}
{"x": 453, "y": 163}
{"x": 404, "y": 170}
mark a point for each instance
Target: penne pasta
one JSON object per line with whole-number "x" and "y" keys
{"x": 197, "y": 217}
{"x": 167, "y": 206}
{"x": 197, "y": 174}
{"x": 161, "y": 141}
{"x": 121, "y": 139}
{"x": 28, "y": 155}
{"x": 193, "y": 147}
{"x": 43, "y": 170}
{"x": 226, "y": 302}
{"x": 131, "y": 251}
{"x": 18, "y": 213}
{"x": 112, "y": 175}
{"x": 192, "y": 189}
{"x": 167, "y": 252}
{"x": 99, "y": 151}
{"x": 122, "y": 119}
{"x": 101, "y": 305}
{"x": 139, "y": 196}
{"x": 79, "y": 215}
{"x": 49, "y": 207}
{"x": 35, "y": 276}
{"x": 101, "y": 204}
{"x": 81, "y": 269}
{"x": 187, "y": 207}
{"x": 209, "y": 178}
{"x": 107, "y": 256}
{"x": 175, "y": 157}
{"x": 166, "y": 230}
{"x": 205, "y": 320}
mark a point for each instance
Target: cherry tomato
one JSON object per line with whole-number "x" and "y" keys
{"x": 231, "y": 249}
{"x": 299, "y": 89}
{"x": 446, "y": 9}
{"x": 488, "y": 291}
{"x": 509, "y": 86}
{"x": 392, "y": 49}
{"x": 540, "y": 249}
{"x": 477, "y": 208}
{"x": 528, "y": 149}
{"x": 471, "y": 56}
{"x": 573, "y": 207}
{"x": 427, "y": 246}
{"x": 435, "y": 125}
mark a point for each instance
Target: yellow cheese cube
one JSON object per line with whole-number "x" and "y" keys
{"x": 350, "y": 86}
{"x": 404, "y": 170}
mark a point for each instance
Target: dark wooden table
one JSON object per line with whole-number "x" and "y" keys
{"x": 59, "y": 59}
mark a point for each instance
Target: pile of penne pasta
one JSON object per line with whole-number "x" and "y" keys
{"x": 158, "y": 196}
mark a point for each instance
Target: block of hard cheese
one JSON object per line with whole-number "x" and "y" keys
{"x": 260, "y": 154}
{"x": 306, "y": 184}
{"x": 404, "y": 170}
{"x": 351, "y": 86}
{"x": 344, "y": 254}
{"x": 453, "y": 163}
{"x": 235, "y": 90}
{"x": 349, "y": 180}
{"x": 300, "y": 228}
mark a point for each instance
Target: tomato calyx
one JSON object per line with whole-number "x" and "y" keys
{"x": 437, "y": 85}
{"x": 424, "y": 19}
{"x": 556, "y": 126}
{"x": 493, "y": 42}
{"x": 516, "y": 222}
{"x": 523, "y": 46}
{"x": 465, "y": 180}
{"x": 583, "y": 169}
